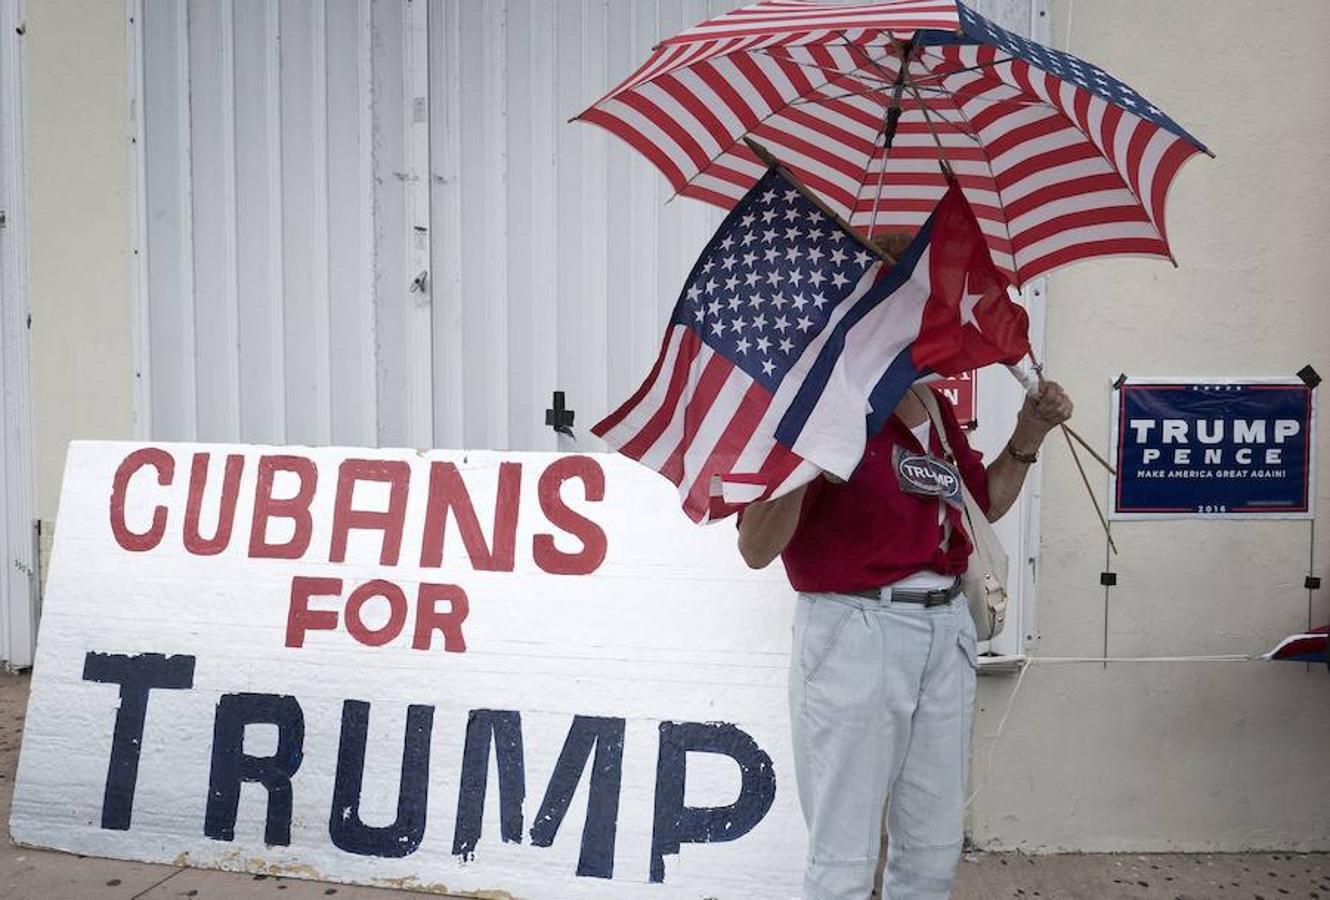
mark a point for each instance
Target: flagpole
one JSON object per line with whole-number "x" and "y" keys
{"x": 1066, "y": 433}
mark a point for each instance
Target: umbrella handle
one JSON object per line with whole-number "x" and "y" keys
{"x": 1026, "y": 375}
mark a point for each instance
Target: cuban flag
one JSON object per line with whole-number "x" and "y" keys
{"x": 791, "y": 343}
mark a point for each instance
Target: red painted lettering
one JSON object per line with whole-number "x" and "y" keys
{"x": 226, "y": 512}
{"x": 447, "y": 492}
{"x": 449, "y": 624}
{"x": 355, "y": 624}
{"x": 296, "y": 508}
{"x": 549, "y": 557}
{"x": 397, "y": 475}
{"x": 164, "y": 463}
{"x": 300, "y": 618}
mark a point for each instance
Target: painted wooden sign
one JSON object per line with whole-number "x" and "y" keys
{"x": 961, "y": 390}
{"x": 520, "y": 674}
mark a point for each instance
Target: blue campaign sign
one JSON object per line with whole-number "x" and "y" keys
{"x": 1236, "y": 449}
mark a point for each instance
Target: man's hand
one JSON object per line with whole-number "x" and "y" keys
{"x": 1039, "y": 415}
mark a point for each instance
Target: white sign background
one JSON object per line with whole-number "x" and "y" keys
{"x": 671, "y": 627}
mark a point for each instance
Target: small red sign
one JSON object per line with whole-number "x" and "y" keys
{"x": 960, "y": 390}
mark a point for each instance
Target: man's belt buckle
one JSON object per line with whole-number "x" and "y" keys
{"x": 940, "y": 597}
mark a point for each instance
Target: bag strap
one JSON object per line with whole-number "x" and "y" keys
{"x": 929, "y": 400}
{"x": 975, "y": 518}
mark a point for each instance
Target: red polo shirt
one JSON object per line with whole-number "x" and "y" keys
{"x": 867, "y": 532}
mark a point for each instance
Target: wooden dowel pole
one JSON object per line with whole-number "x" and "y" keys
{"x": 1085, "y": 479}
{"x": 1088, "y": 449}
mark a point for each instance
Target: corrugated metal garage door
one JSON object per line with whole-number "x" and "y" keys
{"x": 369, "y": 222}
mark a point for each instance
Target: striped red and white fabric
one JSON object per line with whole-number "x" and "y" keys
{"x": 791, "y": 344}
{"x": 1060, "y": 160}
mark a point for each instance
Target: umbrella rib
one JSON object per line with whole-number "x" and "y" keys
{"x": 898, "y": 83}
{"x": 943, "y": 162}
{"x": 1074, "y": 124}
{"x": 928, "y": 90}
{"x": 928, "y": 120}
{"x": 867, "y": 94}
{"x": 971, "y": 98}
{"x": 988, "y": 160}
{"x": 818, "y": 67}
{"x": 955, "y": 125}
{"x": 762, "y": 120}
{"x": 974, "y": 68}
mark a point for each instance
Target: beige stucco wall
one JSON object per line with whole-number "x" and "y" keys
{"x": 80, "y": 206}
{"x": 1160, "y": 756}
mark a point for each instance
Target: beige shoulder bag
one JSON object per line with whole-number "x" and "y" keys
{"x": 985, "y": 580}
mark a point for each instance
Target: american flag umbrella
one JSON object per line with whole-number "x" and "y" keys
{"x": 868, "y": 104}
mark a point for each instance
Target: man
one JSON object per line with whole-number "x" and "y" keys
{"x": 882, "y": 672}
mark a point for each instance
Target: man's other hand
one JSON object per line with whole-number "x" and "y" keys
{"x": 1044, "y": 411}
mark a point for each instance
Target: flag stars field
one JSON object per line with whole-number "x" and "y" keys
{"x": 733, "y": 314}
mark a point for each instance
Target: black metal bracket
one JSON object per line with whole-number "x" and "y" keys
{"x": 1108, "y": 579}
{"x": 559, "y": 418}
{"x": 1120, "y": 381}
{"x": 1309, "y": 376}
{"x": 1312, "y": 583}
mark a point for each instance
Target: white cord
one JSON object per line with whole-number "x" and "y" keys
{"x": 1002, "y": 724}
{"x": 1221, "y": 657}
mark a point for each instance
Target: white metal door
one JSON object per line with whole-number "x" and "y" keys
{"x": 18, "y": 545}
{"x": 369, "y": 222}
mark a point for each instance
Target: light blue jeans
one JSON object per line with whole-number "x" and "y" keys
{"x": 881, "y": 700}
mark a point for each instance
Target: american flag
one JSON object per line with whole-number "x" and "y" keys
{"x": 786, "y": 347}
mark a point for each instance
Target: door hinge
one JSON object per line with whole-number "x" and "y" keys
{"x": 3, "y": 218}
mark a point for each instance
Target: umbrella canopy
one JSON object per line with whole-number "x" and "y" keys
{"x": 868, "y": 103}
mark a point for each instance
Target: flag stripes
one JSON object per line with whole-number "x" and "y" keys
{"x": 1058, "y": 167}
{"x": 791, "y": 342}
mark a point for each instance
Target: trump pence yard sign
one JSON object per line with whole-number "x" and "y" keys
{"x": 1219, "y": 448}
{"x": 515, "y": 674}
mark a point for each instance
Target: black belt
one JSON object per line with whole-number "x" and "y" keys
{"x": 939, "y": 597}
